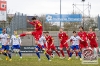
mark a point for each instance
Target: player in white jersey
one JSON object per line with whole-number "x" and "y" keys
{"x": 75, "y": 44}
{"x": 42, "y": 45}
{"x": 5, "y": 39}
{"x": 16, "y": 43}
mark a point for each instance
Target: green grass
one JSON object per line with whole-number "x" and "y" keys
{"x": 33, "y": 61}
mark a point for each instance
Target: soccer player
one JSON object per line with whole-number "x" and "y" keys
{"x": 93, "y": 39}
{"x": 37, "y": 29}
{"x": 83, "y": 35}
{"x": 50, "y": 45}
{"x": 42, "y": 42}
{"x": 74, "y": 49}
{"x": 16, "y": 42}
{"x": 75, "y": 44}
{"x": 63, "y": 37}
{"x": 5, "y": 39}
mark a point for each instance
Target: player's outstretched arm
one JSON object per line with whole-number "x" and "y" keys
{"x": 80, "y": 38}
{"x": 69, "y": 39}
{"x": 32, "y": 23}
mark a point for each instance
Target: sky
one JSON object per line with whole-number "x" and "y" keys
{"x": 38, "y": 7}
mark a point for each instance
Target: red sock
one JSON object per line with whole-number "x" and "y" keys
{"x": 62, "y": 53}
{"x": 40, "y": 46}
{"x": 68, "y": 52}
{"x": 49, "y": 52}
{"x": 58, "y": 53}
{"x": 76, "y": 53}
{"x": 23, "y": 34}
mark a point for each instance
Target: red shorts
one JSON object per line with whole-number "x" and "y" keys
{"x": 64, "y": 45}
{"x": 83, "y": 45}
{"x": 51, "y": 47}
{"x": 94, "y": 44}
{"x": 44, "y": 45}
{"x": 37, "y": 34}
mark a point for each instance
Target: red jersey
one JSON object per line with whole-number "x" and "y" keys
{"x": 83, "y": 35}
{"x": 49, "y": 40}
{"x": 92, "y": 37}
{"x": 63, "y": 37}
{"x": 37, "y": 24}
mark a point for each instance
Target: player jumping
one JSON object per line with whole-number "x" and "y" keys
{"x": 37, "y": 30}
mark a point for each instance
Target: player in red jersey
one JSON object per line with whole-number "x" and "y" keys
{"x": 37, "y": 30}
{"x": 50, "y": 44}
{"x": 63, "y": 37}
{"x": 83, "y": 35}
{"x": 92, "y": 39}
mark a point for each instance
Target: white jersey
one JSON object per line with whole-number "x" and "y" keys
{"x": 42, "y": 40}
{"x": 15, "y": 40}
{"x": 4, "y": 38}
{"x": 75, "y": 40}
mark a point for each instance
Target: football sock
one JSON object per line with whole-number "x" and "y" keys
{"x": 20, "y": 54}
{"x": 22, "y": 35}
{"x": 62, "y": 53}
{"x": 47, "y": 56}
{"x": 9, "y": 55}
{"x": 58, "y": 53}
{"x": 70, "y": 54}
{"x": 79, "y": 53}
{"x": 68, "y": 51}
{"x": 38, "y": 54}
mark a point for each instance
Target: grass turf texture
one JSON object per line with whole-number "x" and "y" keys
{"x": 33, "y": 61}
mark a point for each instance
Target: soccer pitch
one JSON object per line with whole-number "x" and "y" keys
{"x": 33, "y": 61}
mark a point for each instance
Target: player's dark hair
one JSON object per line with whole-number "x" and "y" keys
{"x": 46, "y": 32}
{"x": 81, "y": 27}
{"x": 74, "y": 31}
{"x": 34, "y": 18}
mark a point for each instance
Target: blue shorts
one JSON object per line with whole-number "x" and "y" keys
{"x": 5, "y": 47}
{"x": 16, "y": 47}
{"x": 39, "y": 47}
{"x": 74, "y": 47}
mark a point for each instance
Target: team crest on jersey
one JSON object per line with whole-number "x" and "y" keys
{"x": 89, "y": 56}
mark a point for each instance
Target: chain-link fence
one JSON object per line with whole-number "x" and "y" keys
{"x": 18, "y": 22}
